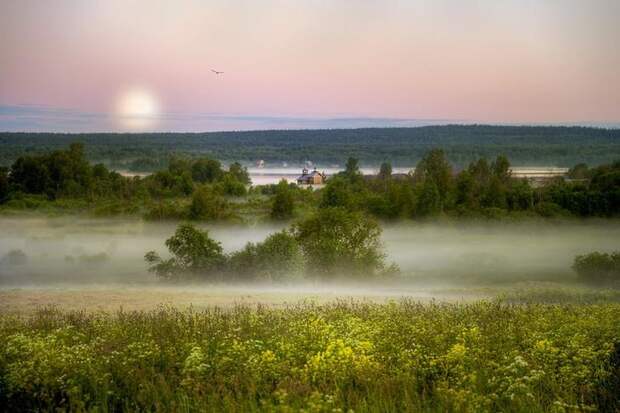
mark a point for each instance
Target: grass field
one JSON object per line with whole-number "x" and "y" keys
{"x": 540, "y": 349}
{"x": 109, "y": 298}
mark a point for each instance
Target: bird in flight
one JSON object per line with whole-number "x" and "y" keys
{"x": 216, "y": 72}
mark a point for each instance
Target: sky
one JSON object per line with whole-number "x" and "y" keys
{"x": 89, "y": 65}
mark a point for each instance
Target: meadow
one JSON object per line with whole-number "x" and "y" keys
{"x": 482, "y": 317}
{"x": 340, "y": 356}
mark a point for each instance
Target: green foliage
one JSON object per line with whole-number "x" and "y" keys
{"x": 435, "y": 173}
{"x": 352, "y": 170}
{"x": 206, "y": 170}
{"x": 229, "y": 185}
{"x": 47, "y": 182}
{"x": 598, "y": 267}
{"x": 208, "y": 205}
{"x": 362, "y": 357}
{"x": 579, "y": 171}
{"x": 165, "y": 210}
{"x": 337, "y": 242}
{"x": 277, "y": 258}
{"x": 429, "y": 201}
{"x": 194, "y": 254}
{"x": 333, "y": 243}
{"x": 385, "y": 171}
{"x": 462, "y": 144}
{"x": 239, "y": 173}
{"x": 283, "y": 203}
{"x": 337, "y": 193}
{"x": 4, "y": 184}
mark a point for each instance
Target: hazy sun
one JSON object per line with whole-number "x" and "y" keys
{"x": 137, "y": 108}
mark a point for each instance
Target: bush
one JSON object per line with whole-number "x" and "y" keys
{"x": 4, "y": 184}
{"x": 598, "y": 266}
{"x": 164, "y": 210}
{"x": 194, "y": 253}
{"x": 282, "y": 205}
{"x": 277, "y": 258}
{"x": 14, "y": 257}
{"x": 549, "y": 210}
{"x": 338, "y": 242}
{"x": 229, "y": 185}
{"x": 208, "y": 205}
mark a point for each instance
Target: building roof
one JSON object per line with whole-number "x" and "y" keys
{"x": 308, "y": 175}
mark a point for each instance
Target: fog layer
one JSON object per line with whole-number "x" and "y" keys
{"x": 42, "y": 251}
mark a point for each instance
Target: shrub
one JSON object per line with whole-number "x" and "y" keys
{"x": 194, "y": 253}
{"x": 282, "y": 205}
{"x": 549, "y": 210}
{"x": 335, "y": 241}
{"x": 598, "y": 266}
{"x": 277, "y": 258}
{"x": 163, "y": 210}
{"x": 14, "y": 257}
{"x": 208, "y": 205}
{"x": 4, "y": 184}
{"x": 229, "y": 185}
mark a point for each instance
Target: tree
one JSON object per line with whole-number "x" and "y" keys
{"x": 520, "y": 195}
{"x": 352, "y": 167}
{"x": 29, "y": 174}
{"x": 207, "y": 205}
{"x": 385, "y": 171}
{"x": 495, "y": 194}
{"x": 352, "y": 171}
{"x": 194, "y": 253}
{"x": 466, "y": 191}
{"x": 429, "y": 201}
{"x": 205, "y": 170}
{"x": 277, "y": 258}
{"x": 337, "y": 193}
{"x": 185, "y": 183}
{"x": 176, "y": 166}
{"x": 598, "y": 267}
{"x": 435, "y": 168}
{"x": 579, "y": 171}
{"x": 4, "y": 184}
{"x": 501, "y": 169}
{"x": 282, "y": 205}
{"x": 229, "y": 185}
{"x": 240, "y": 173}
{"x": 337, "y": 242}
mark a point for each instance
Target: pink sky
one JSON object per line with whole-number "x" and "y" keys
{"x": 520, "y": 61}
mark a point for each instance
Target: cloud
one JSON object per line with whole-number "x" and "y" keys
{"x": 39, "y": 118}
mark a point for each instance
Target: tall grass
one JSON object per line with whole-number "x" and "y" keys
{"x": 405, "y": 356}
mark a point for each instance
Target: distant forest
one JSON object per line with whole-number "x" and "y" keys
{"x": 462, "y": 144}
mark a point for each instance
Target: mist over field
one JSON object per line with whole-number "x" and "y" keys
{"x": 59, "y": 251}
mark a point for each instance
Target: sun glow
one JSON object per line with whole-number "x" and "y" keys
{"x": 137, "y": 108}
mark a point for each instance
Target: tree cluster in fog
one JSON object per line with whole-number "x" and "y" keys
{"x": 328, "y": 244}
{"x": 598, "y": 267}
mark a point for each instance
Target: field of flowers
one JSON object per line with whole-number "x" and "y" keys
{"x": 346, "y": 356}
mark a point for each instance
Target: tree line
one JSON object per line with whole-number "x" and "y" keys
{"x": 203, "y": 189}
{"x": 482, "y": 189}
{"x": 462, "y": 144}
